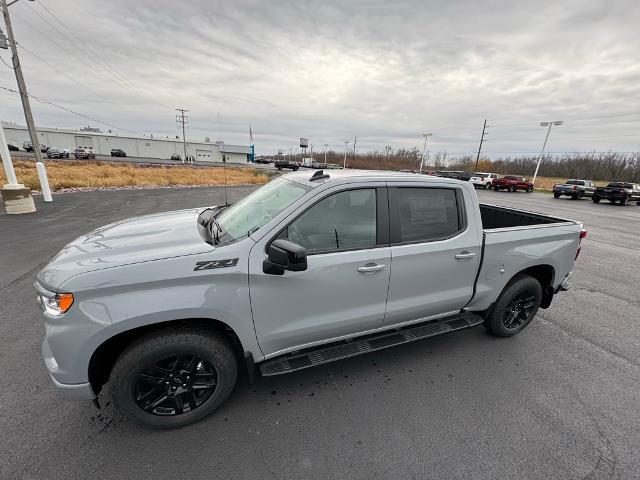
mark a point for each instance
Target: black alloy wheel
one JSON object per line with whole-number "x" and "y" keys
{"x": 625, "y": 200}
{"x": 175, "y": 384}
{"x": 519, "y": 310}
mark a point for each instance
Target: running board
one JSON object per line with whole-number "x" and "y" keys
{"x": 346, "y": 349}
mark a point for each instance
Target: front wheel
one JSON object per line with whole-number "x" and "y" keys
{"x": 487, "y": 186}
{"x": 529, "y": 189}
{"x": 512, "y": 188}
{"x": 595, "y": 199}
{"x": 173, "y": 378}
{"x": 516, "y": 306}
{"x": 625, "y": 201}
{"x": 496, "y": 188}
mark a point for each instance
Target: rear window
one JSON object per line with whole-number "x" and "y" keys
{"x": 574, "y": 182}
{"x": 620, "y": 185}
{"x": 423, "y": 214}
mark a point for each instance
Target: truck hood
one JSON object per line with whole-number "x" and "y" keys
{"x": 134, "y": 240}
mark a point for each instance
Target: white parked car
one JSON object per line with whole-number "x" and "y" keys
{"x": 482, "y": 180}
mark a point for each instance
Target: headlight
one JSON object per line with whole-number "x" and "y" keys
{"x": 57, "y": 304}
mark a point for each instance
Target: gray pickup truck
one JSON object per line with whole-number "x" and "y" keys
{"x": 163, "y": 312}
{"x": 574, "y": 188}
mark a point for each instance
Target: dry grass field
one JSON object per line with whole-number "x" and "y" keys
{"x": 98, "y": 174}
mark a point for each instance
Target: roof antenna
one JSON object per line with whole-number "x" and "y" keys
{"x": 224, "y": 169}
{"x": 318, "y": 175}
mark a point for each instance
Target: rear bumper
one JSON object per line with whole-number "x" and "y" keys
{"x": 566, "y": 283}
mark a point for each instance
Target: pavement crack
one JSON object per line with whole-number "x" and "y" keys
{"x": 23, "y": 276}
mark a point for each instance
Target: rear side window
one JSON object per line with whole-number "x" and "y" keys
{"x": 342, "y": 221}
{"x": 424, "y": 214}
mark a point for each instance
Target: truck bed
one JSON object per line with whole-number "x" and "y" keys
{"x": 494, "y": 216}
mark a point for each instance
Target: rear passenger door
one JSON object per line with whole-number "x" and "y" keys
{"x": 435, "y": 252}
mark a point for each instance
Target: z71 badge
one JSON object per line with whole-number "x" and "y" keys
{"x": 229, "y": 262}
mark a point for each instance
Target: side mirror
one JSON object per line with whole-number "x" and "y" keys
{"x": 284, "y": 255}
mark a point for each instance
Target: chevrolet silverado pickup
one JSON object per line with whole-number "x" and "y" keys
{"x": 162, "y": 312}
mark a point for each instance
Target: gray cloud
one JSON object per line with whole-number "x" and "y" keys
{"x": 384, "y": 71}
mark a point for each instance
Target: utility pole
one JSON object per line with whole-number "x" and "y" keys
{"x": 424, "y": 149}
{"x": 182, "y": 119}
{"x": 344, "y": 164}
{"x": 544, "y": 145}
{"x": 484, "y": 127}
{"x": 24, "y": 97}
{"x": 325, "y": 152}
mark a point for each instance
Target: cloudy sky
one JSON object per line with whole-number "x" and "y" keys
{"x": 384, "y": 71}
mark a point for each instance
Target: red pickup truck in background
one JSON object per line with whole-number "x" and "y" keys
{"x": 512, "y": 183}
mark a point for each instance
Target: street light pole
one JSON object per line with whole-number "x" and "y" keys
{"x": 325, "y": 152}
{"x": 544, "y": 145}
{"x": 424, "y": 149}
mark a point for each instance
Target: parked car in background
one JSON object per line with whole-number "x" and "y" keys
{"x": 118, "y": 152}
{"x": 262, "y": 160}
{"x": 12, "y": 147}
{"x": 512, "y": 183}
{"x": 54, "y": 152}
{"x": 455, "y": 174}
{"x": 28, "y": 147}
{"x": 622, "y": 192}
{"x": 482, "y": 180}
{"x": 283, "y": 163}
{"x": 175, "y": 156}
{"x": 575, "y": 189}
{"x": 358, "y": 242}
{"x": 84, "y": 152}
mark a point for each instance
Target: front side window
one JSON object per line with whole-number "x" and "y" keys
{"x": 423, "y": 214}
{"x": 342, "y": 221}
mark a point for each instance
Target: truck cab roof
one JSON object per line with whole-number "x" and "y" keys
{"x": 306, "y": 177}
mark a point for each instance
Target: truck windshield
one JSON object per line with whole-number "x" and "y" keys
{"x": 253, "y": 211}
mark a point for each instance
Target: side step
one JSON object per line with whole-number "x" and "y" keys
{"x": 346, "y": 349}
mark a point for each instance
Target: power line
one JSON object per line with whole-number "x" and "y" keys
{"x": 8, "y": 66}
{"x": 66, "y": 109}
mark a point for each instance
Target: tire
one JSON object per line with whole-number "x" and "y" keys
{"x": 529, "y": 189}
{"x": 151, "y": 357}
{"x": 522, "y": 290}
{"x": 580, "y": 195}
{"x": 512, "y": 188}
{"x": 487, "y": 186}
{"x": 556, "y": 195}
{"x": 496, "y": 189}
{"x": 625, "y": 201}
{"x": 595, "y": 199}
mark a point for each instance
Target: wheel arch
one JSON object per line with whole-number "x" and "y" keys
{"x": 104, "y": 357}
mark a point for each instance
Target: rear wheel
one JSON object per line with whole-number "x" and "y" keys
{"x": 595, "y": 199}
{"x": 516, "y": 306}
{"x": 487, "y": 186}
{"x": 173, "y": 378}
{"x": 625, "y": 201}
{"x": 529, "y": 189}
{"x": 512, "y": 188}
{"x": 496, "y": 188}
{"x": 556, "y": 195}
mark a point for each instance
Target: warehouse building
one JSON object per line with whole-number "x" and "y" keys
{"x": 134, "y": 146}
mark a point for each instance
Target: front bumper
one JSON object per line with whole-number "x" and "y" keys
{"x": 74, "y": 391}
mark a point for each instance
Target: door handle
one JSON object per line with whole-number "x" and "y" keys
{"x": 371, "y": 268}
{"x": 465, "y": 255}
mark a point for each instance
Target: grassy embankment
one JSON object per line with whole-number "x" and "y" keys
{"x": 98, "y": 174}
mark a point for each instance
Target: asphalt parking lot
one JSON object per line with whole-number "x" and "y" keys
{"x": 559, "y": 401}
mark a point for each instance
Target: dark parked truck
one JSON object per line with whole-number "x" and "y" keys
{"x": 281, "y": 164}
{"x": 161, "y": 312}
{"x": 622, "y": 192}
{"x": 575, "y": 189}
{"x": 512, "y": 183}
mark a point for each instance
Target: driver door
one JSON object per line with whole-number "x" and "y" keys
{"x": 343, "y": 291}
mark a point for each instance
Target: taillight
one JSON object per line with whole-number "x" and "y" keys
{"x": 583, "y": 234}
{"x": 575, "y": 187}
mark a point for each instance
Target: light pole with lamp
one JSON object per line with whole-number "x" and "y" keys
{"x": 424, "y": 148}
{"x": 344, "y": 164}
{"x": 544, "y": 145}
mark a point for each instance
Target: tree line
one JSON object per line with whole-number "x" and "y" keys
{"x": 612, "y": 166}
